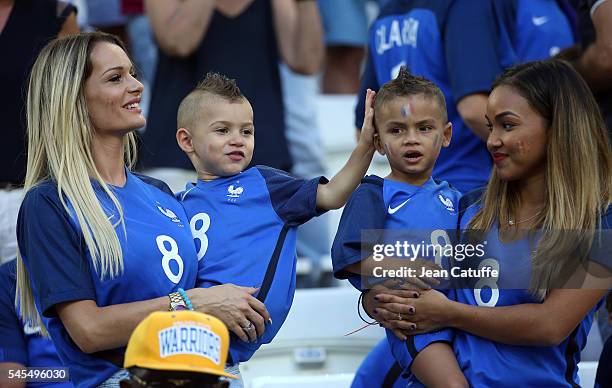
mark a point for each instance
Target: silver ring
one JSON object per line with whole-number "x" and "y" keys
{"x": 248, "y": 327}
{"x": 399, "y": 316}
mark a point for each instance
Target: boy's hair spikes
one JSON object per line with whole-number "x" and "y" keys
{"x": 215, "y": 85}
{"x": 406, "y": 84}
{"x": 220, "y": 85}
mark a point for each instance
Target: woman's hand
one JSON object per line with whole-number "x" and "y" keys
{"x": 243, "y": 314}
{"x": 373, "y": 307}
{"x": 403, "y": 312}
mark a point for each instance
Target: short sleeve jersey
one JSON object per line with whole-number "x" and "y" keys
{"x": 379, "y": 204}
{"x": 21, "y": 342}
{"x": 489, "y": 363}
{"x": 244, "y": 228}
{"x": 431, "y": 39}
{"x": 420, "y": 214}
{"x": 158, "y": 258}
{"x": 533, "y": 30}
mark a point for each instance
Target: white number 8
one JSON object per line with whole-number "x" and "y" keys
{"x": 200, "y": 233}
{"x": 487, "y": 282}
{"x": 439, "y": 248}
{"x": 169, "y": 255}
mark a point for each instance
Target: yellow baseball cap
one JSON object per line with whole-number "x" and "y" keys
{"x": 185, "y": 341}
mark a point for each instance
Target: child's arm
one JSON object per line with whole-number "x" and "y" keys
{"x": 334, "y": 194}
{"x": 436, "y": 366}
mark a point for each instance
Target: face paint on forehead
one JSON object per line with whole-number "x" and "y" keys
{"x": 405, "y": 111}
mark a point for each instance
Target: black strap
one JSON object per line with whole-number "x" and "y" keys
{"x": 271, "y": 270}
{"x": 570, "y": 351}
{"x": 392, "y": 375}
{"x": 411, "y": 347}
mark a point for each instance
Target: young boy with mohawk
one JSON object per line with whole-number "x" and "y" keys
{"x": 412, "y": 126}
{"x": 244, "y": 220}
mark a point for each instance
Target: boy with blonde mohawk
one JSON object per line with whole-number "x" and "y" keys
{"x": 244, "y": 220}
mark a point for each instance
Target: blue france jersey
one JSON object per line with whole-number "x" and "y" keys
{"x": 379, "y": 204}
{"x": 419, "y": 214}
{"x": 20, "y": 342}
{"x": 244, "y": 227}
{"x": 453, "y": 44}
{"x": 158, "y": 258}
{"x": 532, "y": 30}
{"x": 487, "y": 363}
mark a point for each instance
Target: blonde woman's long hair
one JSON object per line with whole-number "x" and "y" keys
{"x": 60, "y": 136}
{"x": 578, "y": 165}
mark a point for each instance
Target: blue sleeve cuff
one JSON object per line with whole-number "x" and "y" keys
{"x": 18, "y": 356}
{"x": 48, "y": 303}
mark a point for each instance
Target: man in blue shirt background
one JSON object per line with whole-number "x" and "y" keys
{"x": 455, "y": 45}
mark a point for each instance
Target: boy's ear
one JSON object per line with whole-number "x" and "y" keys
{"x": 184, "y": 140}
{"x": 378, "y": 144}
{"x": 448, "y": 134}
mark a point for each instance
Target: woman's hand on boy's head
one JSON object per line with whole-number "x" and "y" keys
{"x": 366, "y": 136}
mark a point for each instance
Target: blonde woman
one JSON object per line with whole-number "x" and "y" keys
{"x": 552, "y": 174}
{"x": 101, "y": 247}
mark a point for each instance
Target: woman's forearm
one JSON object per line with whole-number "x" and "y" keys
{"x": 545, "y": 324}
{"x": 514, "y": 325}
{"x": 94, "y": 328}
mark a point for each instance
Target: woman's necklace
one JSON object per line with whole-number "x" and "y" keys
{"x": 512, "y": 222}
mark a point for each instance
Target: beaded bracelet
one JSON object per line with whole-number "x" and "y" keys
{"x": 185, "y": 298}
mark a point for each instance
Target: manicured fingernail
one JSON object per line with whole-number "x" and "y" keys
{"x": 413, "y": 327}
{"x": 415, "y": 295}
{"x": 411, "y": 310}
{"x": 376, "y": 298}
{"x": 270, "y": 321}
{"x": 375, "y": 311}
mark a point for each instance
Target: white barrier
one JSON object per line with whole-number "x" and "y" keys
{"x": 586, "y": 372}
{"x": 312, "y": 341}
